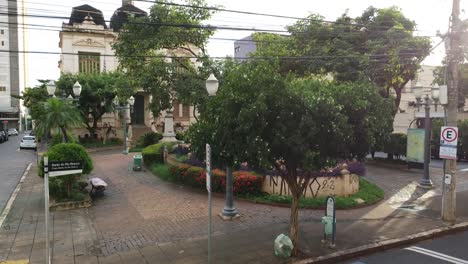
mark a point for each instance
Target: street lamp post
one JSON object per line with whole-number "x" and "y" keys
{"x": 123, "y": 110}
{"x": 426, "y": 102}
{"x": 229, "y": 211}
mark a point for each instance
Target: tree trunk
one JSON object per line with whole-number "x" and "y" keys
{"x": 195, "y": 113}
{"x": 397, "y": 100}
{"x": 64, "y": 133}
{"x": 294, "y": 224}
{"x": 95, "y": 120}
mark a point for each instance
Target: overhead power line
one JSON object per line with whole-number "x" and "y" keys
{"x": 214, "y": 57}
{"x": 186, "y": 26}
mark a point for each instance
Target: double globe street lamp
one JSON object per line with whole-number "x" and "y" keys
{"x": 229, "y": 210}
{"x": 51, "y": 88}
{"x": 123, "y": 110}
{"x": 438, "y": 96}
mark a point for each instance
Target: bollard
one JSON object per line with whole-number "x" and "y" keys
{"x": 329, "y": 221}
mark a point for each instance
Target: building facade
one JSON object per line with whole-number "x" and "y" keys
{"x": 86, "y": 45}
{"x": 9, "y": 68}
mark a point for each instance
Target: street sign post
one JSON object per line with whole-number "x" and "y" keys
{"x": 54, "y": 169}
{"x": 208, "y": 188}
{"x": 448, "y": 142}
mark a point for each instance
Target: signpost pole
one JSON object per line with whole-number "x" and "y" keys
{"x": 208, "y": 188}
{"x": 46, "y": 204}
{"x": 455, "y": 56}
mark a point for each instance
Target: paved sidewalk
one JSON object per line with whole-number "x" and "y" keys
{"x": 142, "y": 219}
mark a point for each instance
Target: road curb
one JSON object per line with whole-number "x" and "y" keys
{"x": 9, "y": 204}
{"x": 384, "y": 245}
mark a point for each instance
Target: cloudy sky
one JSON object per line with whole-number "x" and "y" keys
{"x": 430, "y": 15}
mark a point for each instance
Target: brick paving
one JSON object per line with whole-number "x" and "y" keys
{"x": 142, "y": 219}
{"x": 139, "y": 209}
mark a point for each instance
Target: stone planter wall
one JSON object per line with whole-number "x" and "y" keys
{"x": 345, "y": 185}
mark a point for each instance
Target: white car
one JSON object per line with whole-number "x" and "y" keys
{"x": 28, "y": 142}
{"x": 12, "y": 131}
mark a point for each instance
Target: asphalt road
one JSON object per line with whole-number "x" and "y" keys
{"x": 13, "y": 162}
{"x": 448, "y": 249}
{"x": 435, "y": 163}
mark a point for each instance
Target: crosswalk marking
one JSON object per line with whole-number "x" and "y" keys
{"x": 438, "y": 255}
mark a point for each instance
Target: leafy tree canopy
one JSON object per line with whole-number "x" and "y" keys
{"x": 379, "y": 46}
{"x": 167, "y": 59}
{"x": 98, "y": 92}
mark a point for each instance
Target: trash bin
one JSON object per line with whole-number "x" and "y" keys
{"x": 137, "y": 161}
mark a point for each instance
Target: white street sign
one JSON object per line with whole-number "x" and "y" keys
{"x": 61, "y": 173}
{"x": 208, "y": 168}
{"x": 448, "y": 142}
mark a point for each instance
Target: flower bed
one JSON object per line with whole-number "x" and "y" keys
{"x": 244, "y": 182}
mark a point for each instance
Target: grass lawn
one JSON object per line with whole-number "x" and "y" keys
{"x": 162, "y": 171}
{"x": 368, "y": 192}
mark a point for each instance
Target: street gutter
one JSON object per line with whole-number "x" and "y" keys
{"x": 385, "y": 245}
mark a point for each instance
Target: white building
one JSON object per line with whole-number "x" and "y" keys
{"x": 85, "y": 43}
{"x": 9, "y": 68}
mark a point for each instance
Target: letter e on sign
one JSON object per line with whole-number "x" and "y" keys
{"x": 449, "y": 135}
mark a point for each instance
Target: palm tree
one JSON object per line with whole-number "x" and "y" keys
{"x": 58, "y": 115}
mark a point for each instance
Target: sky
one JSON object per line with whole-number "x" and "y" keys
{"x": 430, "y": 16}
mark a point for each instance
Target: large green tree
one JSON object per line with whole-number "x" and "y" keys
{"x": 380, "y": 46}
{"x": 33, "y": 99}
{"x": 259, "y": 117}
{"x": 164, "y": 53}
{"x": 98, "y": 92}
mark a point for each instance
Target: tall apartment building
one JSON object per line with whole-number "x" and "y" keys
{"x": 9, "y": 67}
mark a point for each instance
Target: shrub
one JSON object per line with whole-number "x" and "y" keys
{"x": 58, "y": 138}
{"x": 243, "y": 182}
{"x": 396, "y": 145}
{"x": 194, "y": 161}
{"x": 154, "y": 154}
{"x": 65, "y": 186}
{"x": 181, "y": 150}
{"x": 149, "y": 139}
{"x": 180, "y": 136}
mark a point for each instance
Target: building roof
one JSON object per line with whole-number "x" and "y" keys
{"x": 121, "y": 15}
{"x": 79, "y": 13}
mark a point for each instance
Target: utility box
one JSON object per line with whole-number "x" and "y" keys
{"x": 137, "y": 162}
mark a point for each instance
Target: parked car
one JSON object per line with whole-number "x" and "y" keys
{"x": 32, "y": 133}
{"x": 12, "y": 132}
{"x": 4, "y": 135}
{"x": 1, "y": 139}
{"x": 28, "y": 142}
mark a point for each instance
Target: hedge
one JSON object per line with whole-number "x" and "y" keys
{"x": 244, "y": 182}
{"x": 149, "y": 139}
{"x": 154, "y": 154}
{"x": 66, "y": 187}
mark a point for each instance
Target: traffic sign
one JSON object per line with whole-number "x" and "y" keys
{"x": 448, "y": 142}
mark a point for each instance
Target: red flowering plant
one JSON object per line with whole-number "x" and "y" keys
{"x": 244, "y": 182}
{"x": 247, "y": 183}
{"x": 218, "y": 180}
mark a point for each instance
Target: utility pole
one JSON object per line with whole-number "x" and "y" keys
{"x": 454, "y": 57}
